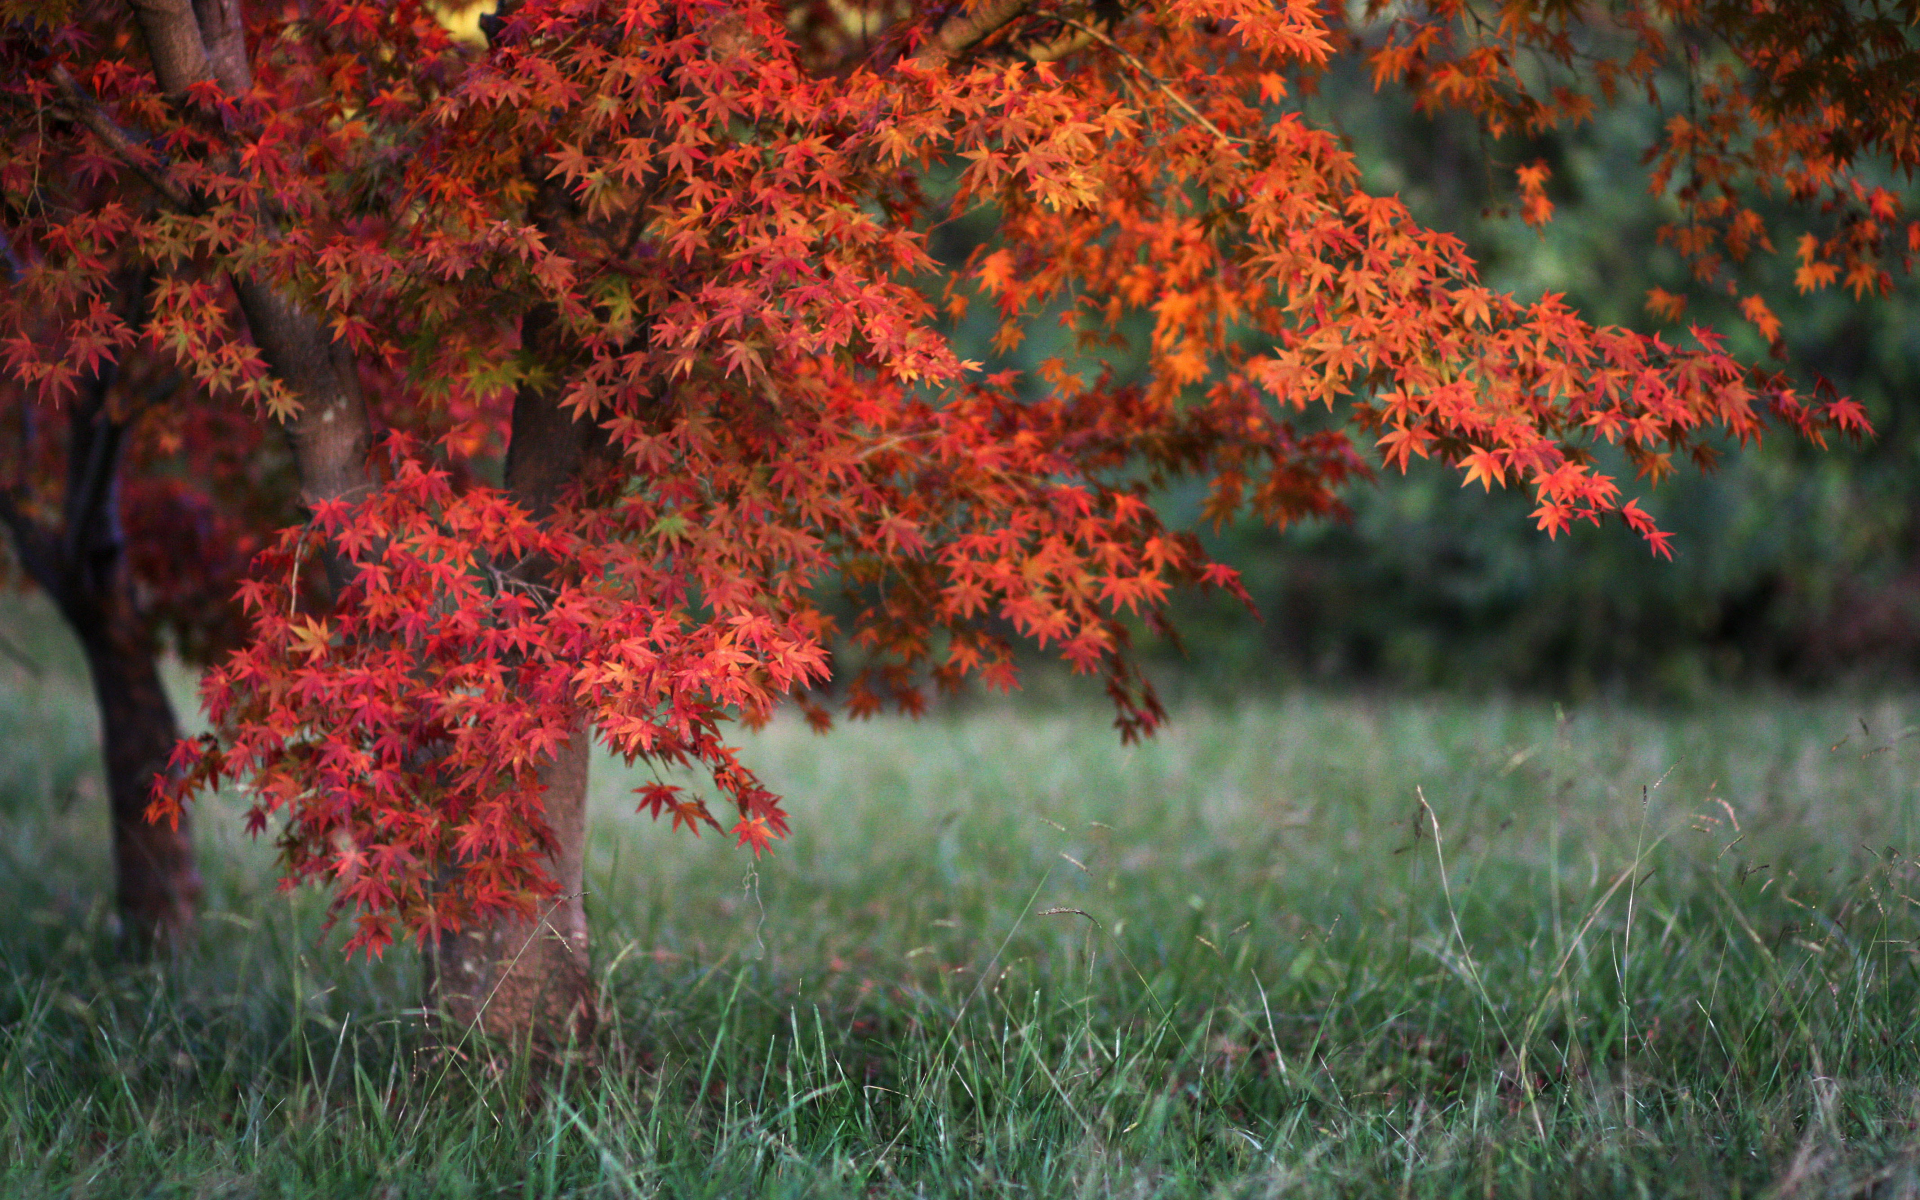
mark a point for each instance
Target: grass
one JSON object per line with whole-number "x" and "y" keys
{"x": 1611, "y": 953}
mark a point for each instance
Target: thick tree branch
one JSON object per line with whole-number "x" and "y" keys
{"x": 223, "y": 34}
{"x": 330, "y": 435}
{"x": 1103, "y": 18}
{"x": 173, "y": 43}
{"x": 1057, "y": 49}
{"x": 966, "y": 27}
{"x": 89, "y": 523}
{"x": 192, "y": 40}
{"x": 96, "y": 437}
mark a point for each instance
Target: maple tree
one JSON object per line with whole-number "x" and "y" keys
{"x": 605, "y": 349}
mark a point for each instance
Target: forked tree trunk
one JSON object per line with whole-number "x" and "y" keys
{"x": 519, "y": 980}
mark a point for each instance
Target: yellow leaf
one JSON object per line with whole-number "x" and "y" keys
{"x": 311, "y": 637}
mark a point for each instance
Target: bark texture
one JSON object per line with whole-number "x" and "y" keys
{"x": 966, "y": 28}
{"x": 529, "y": 982}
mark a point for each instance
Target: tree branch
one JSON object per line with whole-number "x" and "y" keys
{"x": 223, "y": 37}
{"x": 31, "y": 544}
{"x": 1095, "y": 35}
{"x": 148, "y": 165}
{"x": 174, "y": 43}
{"x": 190, "y": 42}
{"x": 93, "y": 462}
{"x": 1104, "y": 16}
{"x": 94, "y": 443}
{"x": 967, "y": 28}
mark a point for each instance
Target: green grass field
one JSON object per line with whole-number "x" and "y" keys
{"x": 1648, "y": 954}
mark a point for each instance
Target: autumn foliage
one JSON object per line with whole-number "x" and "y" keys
{"x": 700, "y": 230}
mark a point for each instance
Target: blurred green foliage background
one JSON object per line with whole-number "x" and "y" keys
{"x": 1794, "y": 565}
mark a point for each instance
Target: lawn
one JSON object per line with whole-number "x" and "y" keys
{"x": 1313, "y": 946}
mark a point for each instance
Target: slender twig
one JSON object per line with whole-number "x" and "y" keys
{"x": 504, "y": 579}
{"x": 1157, "y": 82}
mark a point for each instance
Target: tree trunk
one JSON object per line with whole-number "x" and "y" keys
{"x": 530, "y": 982}
{"x": 82, "y": 564}
{"x": 189, "y": 43}
{"x": 156, "y": 883}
